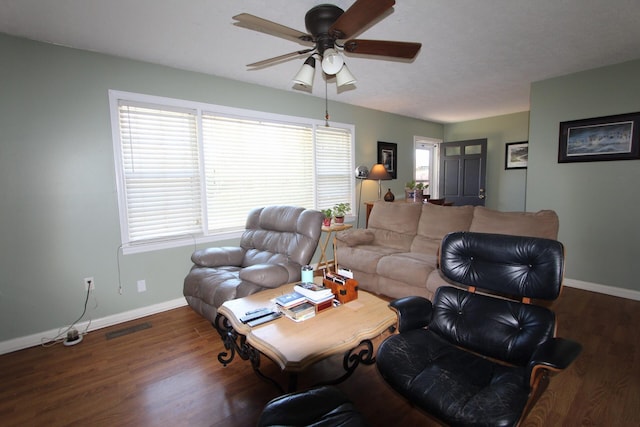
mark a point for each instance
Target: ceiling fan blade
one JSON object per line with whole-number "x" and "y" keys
{"x": 253, "y": 22}
{"x": 383, "y": 48}
{"x": 279, "y": 58}
{"x": 358, "y": 16}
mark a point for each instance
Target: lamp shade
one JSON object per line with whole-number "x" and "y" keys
{"x": 306, "y": 73}
{"x": 331, "y": 61}
{"x": 344, "y": 77}
{"x": 379, "y": 172}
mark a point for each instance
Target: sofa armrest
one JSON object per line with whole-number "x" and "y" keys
{"x": 216, "y": 257}
{"x": 266, "y": 275}
{"x": 355, "y": 237}
{"x": 413, "y": 312}
{"x": 555, "y": 354}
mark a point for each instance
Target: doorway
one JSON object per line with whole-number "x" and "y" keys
{"x": 463, "y": 172}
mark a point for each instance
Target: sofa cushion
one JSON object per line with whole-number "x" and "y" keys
{"x": 435, "y": 222}
{"x": 363, "y": 257}
{"x": 543, "y": 223}
{"x": 394, "y": 224}
{"x": 359, "y": 236}
{"x": 409, "y": 267}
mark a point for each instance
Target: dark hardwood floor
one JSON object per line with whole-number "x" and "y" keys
{"x": 168, "y": 375}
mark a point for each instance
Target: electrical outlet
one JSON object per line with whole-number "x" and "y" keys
{"x": 142, "y": 285}
{"x": 89, "y": 283}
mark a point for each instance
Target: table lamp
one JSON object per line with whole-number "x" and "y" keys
{"x": 379, "y": 172}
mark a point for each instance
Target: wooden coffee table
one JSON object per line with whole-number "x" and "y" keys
{"x": 295, "y": 346}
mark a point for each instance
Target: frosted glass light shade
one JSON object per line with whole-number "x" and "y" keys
{"x": 305, "y": 76}
{"x": 331, "y": 62}
{"x": 344, "y": 77}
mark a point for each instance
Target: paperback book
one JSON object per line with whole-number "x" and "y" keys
{"x": 290, "y": 299}
{"x": 299, "y": 312}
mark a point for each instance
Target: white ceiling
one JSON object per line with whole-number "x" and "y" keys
{"x": 478, "y": 58}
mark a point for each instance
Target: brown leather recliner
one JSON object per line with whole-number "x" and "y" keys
{"x": 276, "y": 243}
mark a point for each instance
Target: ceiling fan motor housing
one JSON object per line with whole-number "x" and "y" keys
{"x": 318, "y": 20}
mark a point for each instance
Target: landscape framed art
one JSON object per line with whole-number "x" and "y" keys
{"x": 600, "y": 139}
{"x": 516, "y": 155}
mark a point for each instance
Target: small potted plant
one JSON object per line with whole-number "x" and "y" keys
{"x": 326, "y": 221}
{"x": 340, "y": 210}
{"x": 414, "y": 191}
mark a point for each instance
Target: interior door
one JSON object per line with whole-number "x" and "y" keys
{"x": 463, "y": 170}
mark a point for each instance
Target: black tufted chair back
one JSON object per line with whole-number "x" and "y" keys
{"x": 523, "y": 267}
{"x": 517, "y": 266}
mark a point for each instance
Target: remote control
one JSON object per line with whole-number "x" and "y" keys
{"x": 255, "y": 314}
{"x": 264, "y": 319}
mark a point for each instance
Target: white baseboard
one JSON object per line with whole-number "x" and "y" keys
{"x": 603, "y": 289}
{"x": 37, "y": 339}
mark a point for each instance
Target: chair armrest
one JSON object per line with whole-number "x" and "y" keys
{"x": 355, "y": 237}
{"x": 413, "y": 312}
{"x": 555, "y": 354}
{"x": 216, "y": 257}
{"x": 266, "y": 275}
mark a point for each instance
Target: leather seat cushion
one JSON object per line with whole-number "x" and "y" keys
{"x": 325, "y": 406}
{"x": 451, "y": 383}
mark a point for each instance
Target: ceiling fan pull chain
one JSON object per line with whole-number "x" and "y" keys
{"x": 326, "y": 104}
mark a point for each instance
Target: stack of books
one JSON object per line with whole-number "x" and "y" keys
{"x": 299, "y": 312}
{"x": 321, "y": 297}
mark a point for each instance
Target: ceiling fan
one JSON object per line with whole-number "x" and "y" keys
{"x": 329, "y": 30}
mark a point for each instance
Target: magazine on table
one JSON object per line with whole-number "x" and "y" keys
{"x": 312, "y": 291}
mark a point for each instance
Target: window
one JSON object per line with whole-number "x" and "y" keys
{"x": 427, "y": 163}
{"x": 188, "y": 170}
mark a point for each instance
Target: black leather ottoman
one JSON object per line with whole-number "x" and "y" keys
{"x": 319, "y": 407}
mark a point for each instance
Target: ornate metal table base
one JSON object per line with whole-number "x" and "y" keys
{"x": 243, "y": 349}
{"x": 236, "y": 343}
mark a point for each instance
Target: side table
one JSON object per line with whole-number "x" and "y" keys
{"x": 323, "y": 262}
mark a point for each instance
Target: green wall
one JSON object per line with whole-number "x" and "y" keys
{"x": 506, "y": 189}
{"x": 598, "y": 202}
{"x": 58, "y": 207}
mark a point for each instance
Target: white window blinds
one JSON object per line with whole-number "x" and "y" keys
{"x": 187, "y": 170}
{"x": 159, "y": 150}
{"x": 250, "y": 163}
{"x": 334, "y": 160}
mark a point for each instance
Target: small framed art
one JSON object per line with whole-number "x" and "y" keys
{"x": 388, "y": 156}
{"x": 516, "y": 155}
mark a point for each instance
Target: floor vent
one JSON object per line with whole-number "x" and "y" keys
{"x": 127, "y": 331}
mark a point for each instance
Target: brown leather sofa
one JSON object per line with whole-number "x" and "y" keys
{"x": 397, "y": 255}
{"x": 276, "y": 243}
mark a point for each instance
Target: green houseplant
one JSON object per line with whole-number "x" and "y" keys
{"x": 340, "y": 210}
{"x": 414, "y": 191}
{"x": 326, "y": 221}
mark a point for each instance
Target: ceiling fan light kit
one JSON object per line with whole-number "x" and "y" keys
{"x": 306, "y": 73}
{"x": 326, "y": 24}
{"x": 331, "y": 62}
{"x": 344, "y": 77}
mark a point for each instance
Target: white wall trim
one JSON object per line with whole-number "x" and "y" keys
{"x": 37, "y": 339}
{"x": 603, "y": 289}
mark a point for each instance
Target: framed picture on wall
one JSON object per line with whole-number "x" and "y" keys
{"x": 516, "y": 155}
{"x": 601, "y": 138}
{"x": 388, "y": 156}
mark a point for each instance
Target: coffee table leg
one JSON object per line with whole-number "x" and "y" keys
{"x": 229, "y": 338}
{"x": 243, "y": 349}
{"x": 352, "y": 359}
